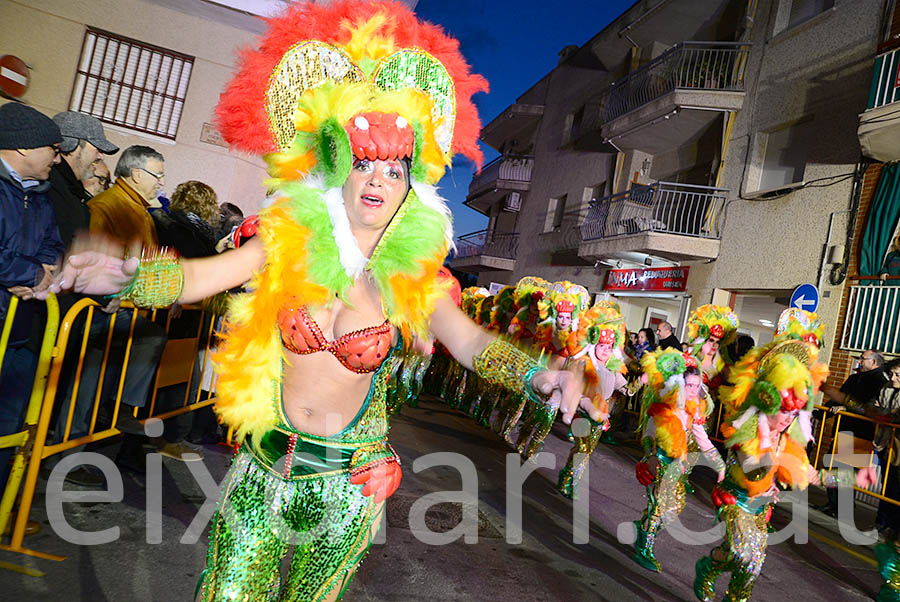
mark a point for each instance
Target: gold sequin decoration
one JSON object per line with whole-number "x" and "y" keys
{"x": 415, "y": 68}
{"x": 306, "y": 65}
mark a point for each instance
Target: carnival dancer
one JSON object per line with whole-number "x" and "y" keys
{"x": 767, "y": 428}
{"x": 674, "y": 410}
{"x": 359, "y": 108}
{"x": 710, "y": 328}
{"x": 597, "y": 349}
{"x": 551, "y": 342}
{"x": 502, "y": 313}
{"x": 529, "y": 294}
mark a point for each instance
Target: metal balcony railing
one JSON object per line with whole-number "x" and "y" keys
{"x": 873, "y": 319}
{"x": 684, "y": 209}
{"x": 885, "y": 87}
{"x": 688, "y": 65}
{"x": 493, "y": 244}
{"x": 505, "y": 167}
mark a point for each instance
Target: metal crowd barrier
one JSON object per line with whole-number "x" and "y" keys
{"x": 176, "y": 366}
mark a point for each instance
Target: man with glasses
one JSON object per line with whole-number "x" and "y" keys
{"x": 29, "y": 248}
{"x": 122, "y": 211}
{"x": 98, "y": 180}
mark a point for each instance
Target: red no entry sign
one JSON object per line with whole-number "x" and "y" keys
{"x": 13, "y": 76}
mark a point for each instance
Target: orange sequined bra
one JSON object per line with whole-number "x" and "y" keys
{"x": 361, "y": 351}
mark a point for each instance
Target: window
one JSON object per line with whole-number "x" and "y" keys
{"x": 784, "y": 157}
{"x": 131, "y": 84}
{"x": 794, "y": 12}
{"x": 555, "y": 211}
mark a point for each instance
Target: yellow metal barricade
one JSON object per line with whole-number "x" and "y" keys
{"x": 24, "y": 440}
{"x": 176, "y": 367}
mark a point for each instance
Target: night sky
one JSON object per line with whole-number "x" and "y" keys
{"x": 513, "y": 44}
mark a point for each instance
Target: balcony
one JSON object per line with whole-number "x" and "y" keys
{"x": 484, "y": 251}
{"x": 502, "y": 176}
{"x": 879, "y": 124}
{"x": 676, "y": 221}
{"x": 873, "y": 319}
{"x": 673, "y": 98}
{"x": 587, "y": 127}
{"x": 518, "y": 122}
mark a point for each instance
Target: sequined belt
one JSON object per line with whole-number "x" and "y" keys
{"x": 295, "y": 455}
{"x": 754, "y": 505}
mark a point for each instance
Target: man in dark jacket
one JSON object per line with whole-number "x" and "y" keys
{"x": 83, "y": 144}
{"x": 29, "y": 248}
{"x": 667, "y": 338}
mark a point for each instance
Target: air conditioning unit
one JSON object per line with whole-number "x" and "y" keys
{"x": 512, "y": 202}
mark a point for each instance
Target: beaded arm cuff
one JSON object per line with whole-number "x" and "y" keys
{"x": 158, "y": 282}
{"x": 501, "y": 363}
{"x": 837, "y": 477}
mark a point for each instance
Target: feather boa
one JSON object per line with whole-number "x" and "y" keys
{"x": 308, "y": 265}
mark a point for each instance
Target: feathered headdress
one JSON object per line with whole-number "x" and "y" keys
{"x": 779, "y": 376}
{"x": 802, "y": 325}
{"x": 602, "y": 323}
{"x": 715, "y": 320}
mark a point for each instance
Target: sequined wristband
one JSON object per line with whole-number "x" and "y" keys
{"x": 158, "y": 282}
{"x": 501, "y": 363}
{"x": 838, "y": 477}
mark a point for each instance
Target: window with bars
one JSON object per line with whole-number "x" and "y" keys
{"x": 131, "y": 84}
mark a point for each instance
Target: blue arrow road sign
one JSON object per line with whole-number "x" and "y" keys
{"x": 806, "y": 296}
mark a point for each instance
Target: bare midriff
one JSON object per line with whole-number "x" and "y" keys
{"x": 320, "y": 395}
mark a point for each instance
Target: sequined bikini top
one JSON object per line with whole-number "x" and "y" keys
{"x": 361, "y": 351}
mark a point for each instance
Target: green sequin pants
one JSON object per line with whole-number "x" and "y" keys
{"x": 742, "y": 554}
{"x": 325, "y": 518}
{"x": 580, "y": 456}
{"x": 535, "y": 428}
{"x": 665, "y": 502}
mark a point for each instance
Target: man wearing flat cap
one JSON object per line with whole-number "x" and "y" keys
{"x": 29, "y": 248}
{"x": 83, "y": 144}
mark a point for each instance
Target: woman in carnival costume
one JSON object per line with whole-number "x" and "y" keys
{"x": 359, "y": 107}
{"x": 674, "y": 410}
{"x": 597, "y": 346}
{"x": 551, "y": 342}
{"x": 710, "y": 328}
{"x": 767, "y": 426}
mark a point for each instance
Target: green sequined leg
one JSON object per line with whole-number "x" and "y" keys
{"x": 517, "y": 406}
{"x": 542, "y": 422}
{"x": 327, "y": 519}
{"x": 665, "y": 501}
{"x": 486, "y": 405}
{"x": 742, "y": 553}
{"x": 616, "y": 413}
{"x": 888, "y": 557}
{"x": 580, "y": 456}
{"x": 502, "y": 411}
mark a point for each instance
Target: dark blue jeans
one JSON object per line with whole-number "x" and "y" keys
{"x": 16, "y": 379}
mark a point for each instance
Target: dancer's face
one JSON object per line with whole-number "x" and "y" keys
{"x": 603, "y": 351}
{"x": 711, "y": 346}
{"x": 692, "y": 386}
{"x": 563, "y": 320}
{"x": 373, "y": 192}
{"x": 782, "y": 420}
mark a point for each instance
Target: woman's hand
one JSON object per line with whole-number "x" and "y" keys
{"x": 866, "y": 476}
{"x": 381, "y": 481}
{"x": 94, "y": 266}
{"x": 563, "y": 388}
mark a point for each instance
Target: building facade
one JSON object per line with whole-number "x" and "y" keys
{"x": 707, "y": 147}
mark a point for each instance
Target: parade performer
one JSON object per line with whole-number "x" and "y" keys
{"x": 674, "y": 410}
{"x": 767, "y": 428}
{"x": 551, "y": 342}
{"x": 597, "y": 348}
{"x": 710, "y": 328}
{"x": 358, "y": 108}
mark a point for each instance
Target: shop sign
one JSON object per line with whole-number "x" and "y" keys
{"x": 672, "y": 280}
